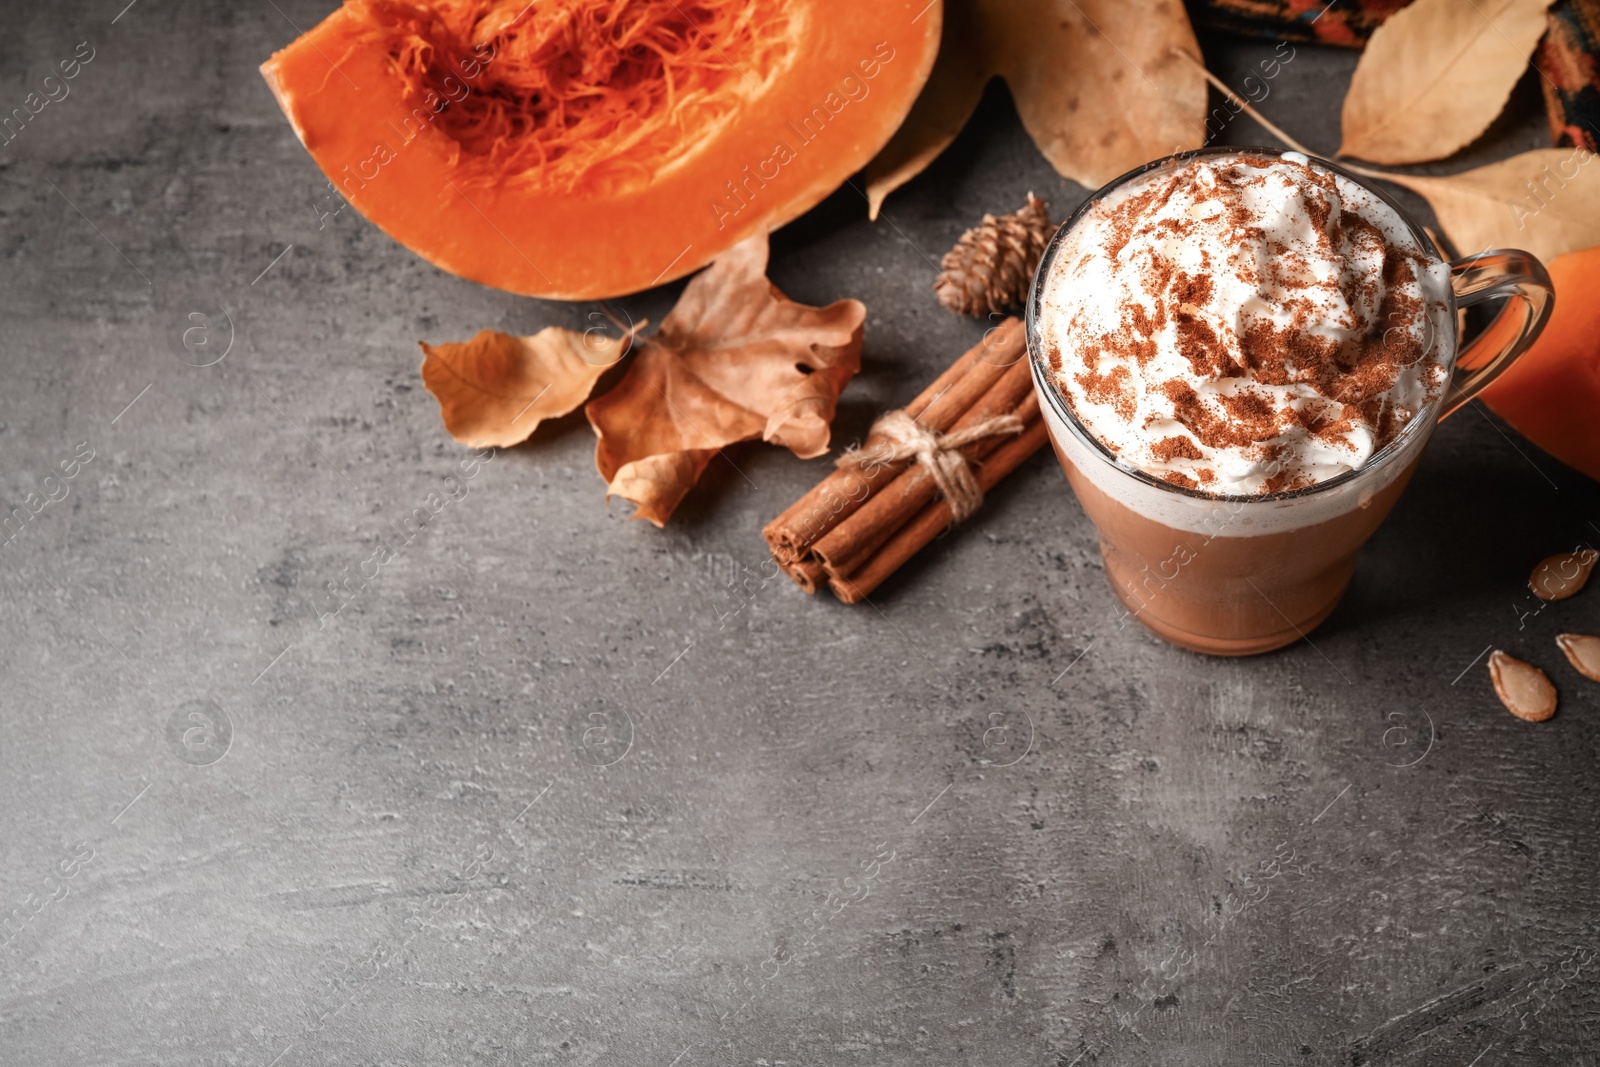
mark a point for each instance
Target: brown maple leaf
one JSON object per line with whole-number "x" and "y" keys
{"x": 1097, "y": 83}
{"x": 733, "y": 361}
{"x": 495, "y": 389}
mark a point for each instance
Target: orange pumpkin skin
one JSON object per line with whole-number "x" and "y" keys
{"x": 1551, "y": 395}
{"x": 837, "y": 81}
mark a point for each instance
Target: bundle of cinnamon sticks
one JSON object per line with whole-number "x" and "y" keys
{"x": 863, "y": 521}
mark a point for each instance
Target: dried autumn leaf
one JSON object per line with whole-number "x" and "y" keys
{"x": 1546, "y": 202}
{"x": 1435, "y": 75}
{"x": 1098, "y": 83}
{"x": 943, "y": 107}
{"x": 733, "y": 361}
{"x": 495, "y": 389}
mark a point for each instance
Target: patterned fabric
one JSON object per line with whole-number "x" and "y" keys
{"x": 1568, "y": 56}
{"x": 1566, "y": 59}
{"x": 1342, "y": 22}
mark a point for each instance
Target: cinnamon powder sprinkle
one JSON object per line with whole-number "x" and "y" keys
{"x": 1303, "y": 333}
{"x": 1170, "y": 448}
{"x": 1114, "y": 389}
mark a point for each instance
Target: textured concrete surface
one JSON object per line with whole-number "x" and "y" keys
{"x": 553, "y": 787}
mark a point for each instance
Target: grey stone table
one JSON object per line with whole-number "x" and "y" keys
{"x": 555, "y": 787}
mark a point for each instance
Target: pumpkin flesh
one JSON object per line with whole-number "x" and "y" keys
{"x": 590, "y": 148}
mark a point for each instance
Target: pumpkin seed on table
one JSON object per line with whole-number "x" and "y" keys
{"x": 1583, "y": 652}
{"x": 1561, "y": 575}
{"x": 1522, "y": 687}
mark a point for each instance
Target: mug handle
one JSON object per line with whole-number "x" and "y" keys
{"x": 1499, "y": 272}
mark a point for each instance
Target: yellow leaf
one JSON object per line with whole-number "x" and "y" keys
{"x": 1546, "y": 202}
{"x": 1435, "y": 75}
{"x": 734, "y": 360}
{"x": 495, "y": 389}
{"x": 1098, "y": 83}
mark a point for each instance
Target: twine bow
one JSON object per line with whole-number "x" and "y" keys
{"x": 903, "y": 437}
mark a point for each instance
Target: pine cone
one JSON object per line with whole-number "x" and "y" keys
{"x": 991, "y": 267}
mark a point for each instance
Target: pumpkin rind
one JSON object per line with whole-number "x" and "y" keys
{"x": 1551, "y": 395}
{"x": 850, "y": 75}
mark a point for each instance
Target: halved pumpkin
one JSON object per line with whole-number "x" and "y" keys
{"x": 590, "y": 148}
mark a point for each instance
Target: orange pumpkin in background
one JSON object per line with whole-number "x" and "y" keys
{"x": 1552, "y": 394}
{"x": 590, "y": 148}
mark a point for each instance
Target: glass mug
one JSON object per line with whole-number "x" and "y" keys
{"x": 1237, "y": 575}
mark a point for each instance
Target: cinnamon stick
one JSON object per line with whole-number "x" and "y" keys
{"x": 935, "y": 518}
{"x": 788, "y": 530}
{"x": 877, "y": 519}
{"x": 807, "y": 572}
{"x": 792, "y": 534}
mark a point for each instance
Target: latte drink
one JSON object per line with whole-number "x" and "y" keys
{"x": 1240, "y": 356}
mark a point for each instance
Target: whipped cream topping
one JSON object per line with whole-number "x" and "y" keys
{"x": 1245, "y": 325}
